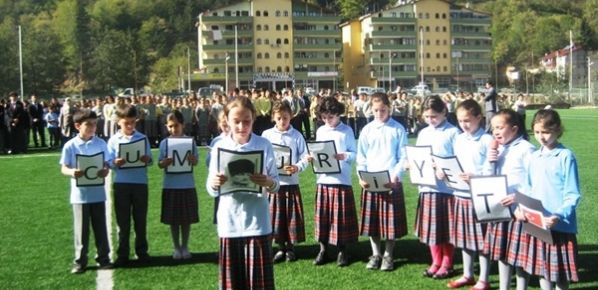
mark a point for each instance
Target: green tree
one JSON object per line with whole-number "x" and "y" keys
{"x": 113, "y": 61}
{"x": 9, "y": 56}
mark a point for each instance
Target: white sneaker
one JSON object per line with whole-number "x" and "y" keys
{"x": 177, "y": 255}
{"x": 185, "y": 253}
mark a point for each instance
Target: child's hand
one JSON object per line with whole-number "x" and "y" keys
{"x": 261, "y": 180}
{"x": 508, "y": 200}
{"x": 192, "y": 159}
{"x": 492, "y": 155}
{"x": 406, "y": 166}
{"x": 119, "y": 162}
{"x": 466, "y": 177}
{"x": 394, "y": 183}
{"x": 519, "y": 215}
{"x": 145, "y": 159}
{"x": 309, "y": 158}
{"x": 291, "y": 169}
{"x": 77, "y": 173}
{"x": 364, "y": 184}
{"x": 218, "y": 180}
{"x": 440, "y": 174}
{"x": 165, "y": 162}
{"x": 103, "y": 172}
{"x": 551, "y": 221}
{"x": 340, "y": 156}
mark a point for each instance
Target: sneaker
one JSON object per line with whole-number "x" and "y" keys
{"x": 374, "y": 262}
{"x": 185, "y": 254}
{"x": 177, "y": 255}
{"x": 320, "y": 258}
{"x": 342, "y": 260}
{"x": 144, "y": 258}
{"x": 78, "y": 269}
{"x": 443, "y": 273}
{"x": 481, "y": 285}
{"x": 279, "y": 256}
{"x": 461, "y": 282}
{"x": 388, "y": 264}
{"x": 290, "y": 256}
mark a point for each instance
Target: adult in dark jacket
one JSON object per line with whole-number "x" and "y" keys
{"x": 36, "y": 111}
{"x": 490, "y": 104}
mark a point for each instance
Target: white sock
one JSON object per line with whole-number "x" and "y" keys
{"x": 522, "y": 278}
{"x": 375, "y": 243}
{"x": 545, "y": 284}
{"x": 467, "y": 263}
{"x": 484, "y": 268}
{"x": 390, "y": 246}
{"x": 504, "y": 275}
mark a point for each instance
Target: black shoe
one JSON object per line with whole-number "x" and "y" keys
{"x": 320, "y": 258}
{"x": 121, "y": 262}
{"x": 279, "y": 256}
{"x": 145, "y": 258}
{"x": 78, "y": 269}
{"x": 443, "y": 273}
{"x": 290, "y": 256}
{"x": 342, "y": 260}
{"x": 105, "y": 266}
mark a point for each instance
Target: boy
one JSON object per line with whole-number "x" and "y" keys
{"x": 130, "y": 186}
{"x": 88, "y": 201}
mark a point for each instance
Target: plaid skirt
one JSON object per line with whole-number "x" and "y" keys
{"x": 467, "y": 233}
{"x": 554, "y": 262}
{"x": 179, "y": 206}
{"x": 246, "y": 263}
{"x": 286, "y": 210}
{"x": 433, "y": 218}
{"x": 497, "y": 240}
{"x": 383, "y": 214}
{"x": 517, "y": 243}
{"x": 336, "y": 217}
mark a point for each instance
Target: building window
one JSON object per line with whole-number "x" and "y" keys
{"x": 427, "y": 42}
{"x": 279, "y": 55}
{"x": 286, "y": 41}
{"x": 258, "y": 27}
{"x": 216, "y": 70}
{"x": 277, "y": 27}
{"x": 286, "y": 13}
{"x": 438, "y": 68}
{"x": 265, "y": 13}
{"x": 443, "y": 15}
{"x": 266, "y": 41}
{"x": 420, "y": 15}
{"x": 437, "y": 55}
{"x": 287, "y": 69}
{"x": 227, "y": 13}
{"x": 427, "y": 29}
{"x": 279, "y": 69}
{"x": 266, "y": 27}
{"x": 444, "y": 29}
{"x": 258, "y": 13}
{"x": 437, "y": 16}
{"x": 286, "y": 55}
{"x": 278, "y": 41}
{"x": 444, "y": 55}
{"x": 444, "y": 42}
{"x": 258, "y": 41}
{"x": 427, "y": 55}
{"x": 215, "y": 14}
{"x": 427, "y": 15}
{"x": 285, "y": 27}
{"x": 267, "y": 69}
{"x": 238, "y": 13}
{"x": 277, "y": 13}
{"x": 325, "y": 27}
{"x": 259, "y": 69}
{"x": 437, "y": 41}
{"x": 445, "y": 69}
{"x": 259, "y": 55}
{"x": 266, "y": 55}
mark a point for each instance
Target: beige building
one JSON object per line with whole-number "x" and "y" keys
{"x": 278, "y": 44}
{"x": 447, "y": 46}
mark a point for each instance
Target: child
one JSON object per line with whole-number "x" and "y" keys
{"x": 244, "y": 225}
{"x": 435, "y": 204}
{"x": 88, "y": 201}
{"x": 179, "y": 198}
{"x": 471, "y": 148}
{"x": 51, "y": 119}
{"x": 286, "y": 207}
{"x": 336, "y": 218}
{"x": 224, "y": 130}
{"x": 554, "y": 180}
{"x": 381, "y": 147}
{"x": 130, "y": 187}
{"x": 510, "y": 159}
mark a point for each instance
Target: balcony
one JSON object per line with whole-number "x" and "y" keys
{"x": 386, "y": 33}
{"x": 486, "y": 47}
{"x": 393, "y": 20}
{"x": 227, "y": 47}
{"x": 317, "y": 60}
{"x": 317, "y": 19}
{"x": 393, "y": 47}
{"x": 230, "y": 33}
{"x": 398, "y": 60}
{"x": 472, "y": 61}
{"x": 394, "y": 75}
{"x": 226, "y": 19}
{"x": 317, "y": 33}
{"x": 329, "y": 47}
{"x": 220, "y": 76}
{"x": 478, "y": 21}
{"x": 471, "y": 34}
{"x": 220, "y": 61}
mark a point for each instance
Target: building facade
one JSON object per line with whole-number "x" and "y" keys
{"x": 559, "y": 62}
{"x": 434, "y": 41}
{"x": 278, "y": 44}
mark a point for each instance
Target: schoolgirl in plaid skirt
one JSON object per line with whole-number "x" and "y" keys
{"x": 244, "y": 224}
{"x": 511, "y": 158}
{"x": 335, "y": 217}
{"x": 286, "y": 207}
{"x": 554, "y": 181}
{"x": 179, "y": 198}
{"x": 435, "y": 204}
{"x": 381, "y": 147}
{"x": 471, "y": 148}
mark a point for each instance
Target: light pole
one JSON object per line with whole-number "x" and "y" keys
{"x": 226, "y": 58}
{"x": 421, "y": 53}
{"x": 589, "y": 80}
{"x": 389, "y": 71}
{"x": 21, "y": 61}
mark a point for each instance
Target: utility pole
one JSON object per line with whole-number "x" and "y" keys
{"x": 21, "y": 62}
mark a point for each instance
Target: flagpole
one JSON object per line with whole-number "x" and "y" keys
{"x": 570, "y": 63}
{"x": 21, "y": 61}
{"x": 236, "y": 57}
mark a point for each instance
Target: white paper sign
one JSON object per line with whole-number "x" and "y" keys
{"x": 324, "y": 153}
{"x": 451, "y": 168}
{"x": 283, "y": 155}
{"x": 238, "y": 166}
{"x": 376, "y": 180}
{"x": 421, "y": 171}
{"x": 179, "y": 149}
{"x": 486, "y": 194}
{"x": 132, "y": 153}
{"x": 90, "y": 165}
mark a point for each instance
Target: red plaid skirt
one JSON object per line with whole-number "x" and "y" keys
{"x": 179, "y": 206}
{"x": 467, "y": 232}
{"x": 433, "y": 219}
{"x": 383, "y": 214}
{"x": 286, "y": 210}
{"x": 497, "y": 240}
{"x": 552, "y": 261}
{"x": 517, "y": 244}
{"x": 336, "y": 217}
{"x": 246, "y": 263}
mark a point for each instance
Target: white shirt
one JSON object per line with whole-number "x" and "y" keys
{"x": 344, "y": 140}
{"x": 293, "y": 139}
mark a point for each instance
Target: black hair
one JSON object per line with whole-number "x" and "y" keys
{"x": 177, "y": 116}
{"x": 550, "y": 119}
{"x": 330, "y": 105}
{"x": 126, "y": 111}
{"x": 512, "y": 118}
{"x": 434, "y": 103}
{"x": 470, "y": 106}
{"x": 82, "y": 115}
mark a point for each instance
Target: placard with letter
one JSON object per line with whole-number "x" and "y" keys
{"x": 284, "y": 155}
{"x": 179, "y": 149}
{"x": 132, "y": 152}
{"x": 237, "y": 167}
{"x": 451, "y": 167}
{"x": 421, "y": 171}
{"x": 90, "y": 165}
{"x": 533, "y": 210}
{"x": 376, "y": 180}
{"x": 486, "y": 194}
{"x": 324, "y": 154}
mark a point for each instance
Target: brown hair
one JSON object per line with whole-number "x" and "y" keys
{"x": 380, "y": 97}
{"x": 550, "y": 119}
{"x": 281, "y": 107}
{"x": 243, "y": 103}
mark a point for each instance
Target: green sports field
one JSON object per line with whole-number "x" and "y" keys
{"x": 36, "y": 246}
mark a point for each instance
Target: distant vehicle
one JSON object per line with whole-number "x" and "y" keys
{"x": 310, "y": 91}
{"x": 364, "y": 90}
{"x": 377, "y": 90}
{"x": 420, "y": 90}
{"x": 128, "y": 92}
{"x": 207, "y": 92}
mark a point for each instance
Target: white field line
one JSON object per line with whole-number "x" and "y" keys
{"x": 104, "y": 279}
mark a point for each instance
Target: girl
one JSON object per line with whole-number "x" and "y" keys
{"x": 286, "y": 207}
{"x": 381, "y": 147}
{"x": 435, "y": 204}
{"x": 471, "y": 148}
{"x": 554, "y": 180}
{"x": 179, "y": 198}
{"x": 244, "y": 225}
{"x": 224, "y": 130}
{"x": 511, "y": 158}
{"x": 336, "y": 218}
